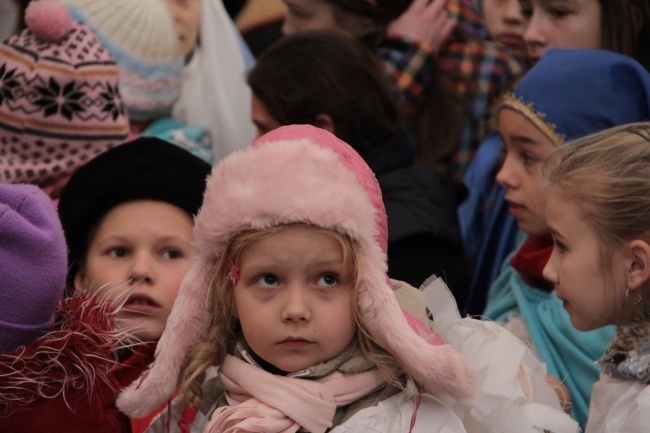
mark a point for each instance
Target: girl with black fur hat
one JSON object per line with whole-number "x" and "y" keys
{"x": 128, "y": 220}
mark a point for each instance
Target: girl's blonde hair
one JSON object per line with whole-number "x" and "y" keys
{"x": 607, "y": 176}
{"x": 224, "y": 330}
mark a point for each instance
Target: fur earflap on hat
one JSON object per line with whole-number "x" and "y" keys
{"x": 59, "y": 102}
{"x": 32, "y": 264}
{"x": 142, "y": 36}
{"x": 296, "y": 173}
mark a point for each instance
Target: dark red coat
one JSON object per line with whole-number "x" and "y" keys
{"x": 68, "y": 380}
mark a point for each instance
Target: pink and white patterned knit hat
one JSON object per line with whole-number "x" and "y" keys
{"x": 142, "y": 36}
{"x": 59, "y": 102}
{"x": 296, "y": 173}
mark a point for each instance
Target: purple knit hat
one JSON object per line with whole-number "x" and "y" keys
{"x": 59, "y": 103}
{"x": 33, "y": 255}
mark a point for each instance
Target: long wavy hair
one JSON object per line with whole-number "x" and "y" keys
{"x": 224, "y": 330}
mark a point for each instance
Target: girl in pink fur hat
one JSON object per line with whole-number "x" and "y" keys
{"x": 288, "y": 297}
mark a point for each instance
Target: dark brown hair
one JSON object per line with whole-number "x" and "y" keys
{"x": 381, "y": 12}
{"x": 625, "y": 28}
{"x": 324, "y": 72}
{"x": 437, "y": 120}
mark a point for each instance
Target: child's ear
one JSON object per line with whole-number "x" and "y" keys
{"x": 79, "y": 282}
{"x": 324, "y": 121}
{"x": 639, "y": 267}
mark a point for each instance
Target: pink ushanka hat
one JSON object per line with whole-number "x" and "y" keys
{"x": 59, "y": 103}
{"x": 296, "y": 173}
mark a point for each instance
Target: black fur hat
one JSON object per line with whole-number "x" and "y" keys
{"x": 146, "y": 168}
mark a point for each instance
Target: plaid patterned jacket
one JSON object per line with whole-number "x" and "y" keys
{"x": 477, "y": 70}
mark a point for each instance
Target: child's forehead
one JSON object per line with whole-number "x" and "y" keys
{"x": 299, "y": 246}
{"x": 529, "y": 118}
{"x": 517, "y": 128}
{"x": 320, "y": 242}
{"x": 291, "y": 230}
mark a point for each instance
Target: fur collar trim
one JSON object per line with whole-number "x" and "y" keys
{"x": 79, "y": 351}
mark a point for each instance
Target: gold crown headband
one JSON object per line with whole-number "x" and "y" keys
{"x": 538, "y": 118}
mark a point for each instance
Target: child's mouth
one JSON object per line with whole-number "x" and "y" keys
{"x": 140, "y": 304}
{"x": 295, "y": 343}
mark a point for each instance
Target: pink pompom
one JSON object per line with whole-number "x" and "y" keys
{"x": 48, "y": 19}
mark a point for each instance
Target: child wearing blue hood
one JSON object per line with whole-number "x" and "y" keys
{"x": 567, "y": 95}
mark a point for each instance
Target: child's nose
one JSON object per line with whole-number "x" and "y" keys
{"x": 296, "y": 305}
{"x": 534, "y": 34}
{"x": 549, "y": 272}
{"x": 142, "y": 268}
{"x": 506, "y": 175}
{"x": 513, "y": 13}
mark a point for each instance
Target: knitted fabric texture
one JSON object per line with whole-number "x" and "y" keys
{"x": 145, "y": 169}
{"x": 32, "y": 264}
{"x": 284, "y": 404}
{"x": 59, "y": 102}
{"x": 142, "y": 36}
{"x": 293, "y": 174}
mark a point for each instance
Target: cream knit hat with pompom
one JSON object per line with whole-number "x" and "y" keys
{"x": 141, "y": 35}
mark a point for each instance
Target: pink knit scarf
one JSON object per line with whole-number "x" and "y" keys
{"x": 263, "y": 402}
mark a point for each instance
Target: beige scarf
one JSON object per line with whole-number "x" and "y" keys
{"x": 263, "y": 402}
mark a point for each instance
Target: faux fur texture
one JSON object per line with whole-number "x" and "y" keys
{"x": 295, "y": 174}
{"x": 80, "y": 350}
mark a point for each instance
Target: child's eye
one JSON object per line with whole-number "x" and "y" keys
{"x": 559, "y": 246}
{"x": 118, "y": 252}
{"x": 502, "y": 156}
{"x": 267, "y": 280}
{"x": 327, "y": 280}
{"x": 172, "y": 254}
{"x": 528, "y": 159}
{"x": 558, "y": 13}
{"x": 298, "y": 12}
{"x": 526, "y": 9}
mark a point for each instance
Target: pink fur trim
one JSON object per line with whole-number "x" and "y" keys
{"x": 285, "y": 181}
